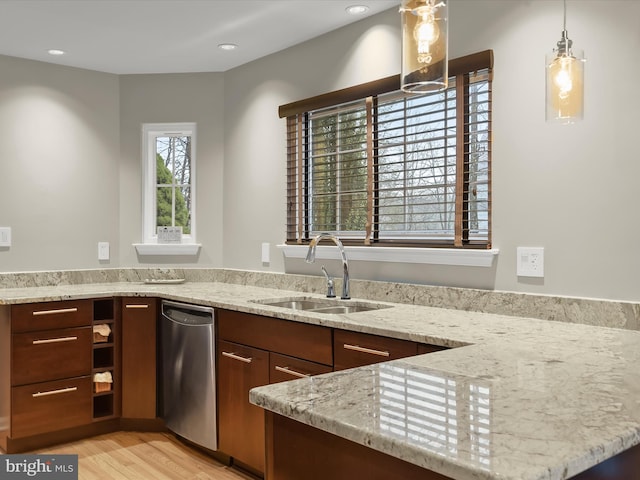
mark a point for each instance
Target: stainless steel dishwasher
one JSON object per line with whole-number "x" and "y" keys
{"x": 188, "y": 372}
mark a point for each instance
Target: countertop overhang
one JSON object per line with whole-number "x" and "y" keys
{"x": 521, "y": 398}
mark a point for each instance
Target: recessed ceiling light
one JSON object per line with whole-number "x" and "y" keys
{"x": 227, "y": 46}
{"x": 55, "y": 51}
{"x": 357, "y": 9}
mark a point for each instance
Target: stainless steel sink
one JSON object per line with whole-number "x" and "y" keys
{"x": 318, "y": 305}
{"x": 298, "y": 304}
{"x": 346, "y": 309}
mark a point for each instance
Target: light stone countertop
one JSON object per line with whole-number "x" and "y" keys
{"x": 520, "y": 399}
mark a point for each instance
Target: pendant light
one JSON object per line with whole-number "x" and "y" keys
{"x": 565, "y": 80}
{"x": 424, "y": 45}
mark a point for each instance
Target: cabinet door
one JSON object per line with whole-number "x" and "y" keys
{"x": 139, "y": 316}
{"x": 353, "y": 349}
{"x": 241, "y": 424}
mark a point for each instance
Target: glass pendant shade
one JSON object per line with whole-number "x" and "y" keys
{"x": 565, "y": 81}
{"x": 424, "y": 45}
{"x": 565, "y": 86}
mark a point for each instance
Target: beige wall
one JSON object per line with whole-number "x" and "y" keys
{"x": 59, "y": 155}
{"x": 70, "y": 151}
{"x": 570, "y": 189}
{"x": 170, "y": 99}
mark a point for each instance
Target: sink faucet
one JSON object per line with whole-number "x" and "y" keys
{"x": 311, "y": 257}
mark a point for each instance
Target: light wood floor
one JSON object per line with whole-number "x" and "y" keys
{"x": 143, "y": 456}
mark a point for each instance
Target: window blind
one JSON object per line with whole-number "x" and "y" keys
{"x": 394, "y": 168}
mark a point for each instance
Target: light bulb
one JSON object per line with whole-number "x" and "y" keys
{"x": 426, "y": 33}
{"x": 562, "y": 77}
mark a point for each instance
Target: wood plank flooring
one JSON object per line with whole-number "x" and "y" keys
{"x": 143, "y": 456}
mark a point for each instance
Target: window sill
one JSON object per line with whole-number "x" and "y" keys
{"x": 433, "y": 256}
{"x": 167, "y": 248}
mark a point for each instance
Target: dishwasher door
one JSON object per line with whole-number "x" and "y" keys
{"x": 188, "y": 372}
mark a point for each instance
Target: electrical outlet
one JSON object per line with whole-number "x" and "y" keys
{"x": 530, "y": 262}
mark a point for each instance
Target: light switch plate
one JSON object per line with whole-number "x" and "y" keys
{"x": 103, "y": 250}
{"x": 5, "y": 236}
{"x": 530, "y": 262}
{"x": 266, "y": 247}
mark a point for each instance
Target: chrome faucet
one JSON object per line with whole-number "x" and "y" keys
{"x": 311, "y": 257}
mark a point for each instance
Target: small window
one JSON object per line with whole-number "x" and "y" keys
{"x": 375, "y": 165}
{"x": 169, "y": 178}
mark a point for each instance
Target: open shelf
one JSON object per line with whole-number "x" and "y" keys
{"x": 105, "y": 359}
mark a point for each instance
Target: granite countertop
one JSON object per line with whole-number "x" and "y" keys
{"x": 520, "y": 398}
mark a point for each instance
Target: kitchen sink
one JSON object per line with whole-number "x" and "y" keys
{"x": 318, "y": 305}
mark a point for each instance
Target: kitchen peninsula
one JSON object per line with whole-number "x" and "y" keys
{"x": 512, "y": 397}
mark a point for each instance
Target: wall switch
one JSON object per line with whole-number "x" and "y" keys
{"x": 266, "y": 247}
{"x": 530, "y": 262}
{"x": 5, "y": 236}
{"x": 103, "y": 250}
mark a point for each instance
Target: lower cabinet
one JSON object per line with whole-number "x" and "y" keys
{"x": 353, "y": 349}
{"x": 297, "y": 451}
{"x": 64, "y": 377}
{"x": 252, "y": 351}
{"x": 50, "y": 406}
{"x": 241, "y": 424}
{"x": 139, "y": 320}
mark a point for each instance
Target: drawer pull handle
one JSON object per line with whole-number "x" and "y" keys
{"x": 54, "y": 340}
{"x": 54, "y": 312}
{"x": 54, "y": 392}
{"x": 136, "y": 305}
{"x": 237, "y": 357}
{"x": 291, "y": 372}
{"x": 357, "y": 348}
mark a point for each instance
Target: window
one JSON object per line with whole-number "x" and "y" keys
{"x": 169, "y": 179}
{"x": 378, "y": 166}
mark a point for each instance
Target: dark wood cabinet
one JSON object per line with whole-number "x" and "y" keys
{"x": 50, "y": 406}
{"x": 254, "y": 350}
{"x": 297, "y": 451}
{"x": 51, "y": 351}
{"x": 283, "y": 368}
{"x": 353, "y": 349}
{"x": 55, "y": 355}
{"x": 139, "y": 322}
{"x": 241, "y": 424}
{"x": 51, "y": 355}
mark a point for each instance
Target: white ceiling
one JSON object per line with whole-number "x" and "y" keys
{"x": 163, "y": 36}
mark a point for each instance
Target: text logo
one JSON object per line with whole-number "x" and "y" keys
{"x": 50, "y": 467}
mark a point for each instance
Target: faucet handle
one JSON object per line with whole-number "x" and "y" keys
{"x": 331, "y": 291}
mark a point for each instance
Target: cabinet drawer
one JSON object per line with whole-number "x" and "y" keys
{"x": 354, "y": 349}
{"x": 50, "y": 355}
{"x": 50, "y": 406}
{"x": 32, "y": 317}
{"x": 283, "y": 368}
{"x": 309, "y": 342}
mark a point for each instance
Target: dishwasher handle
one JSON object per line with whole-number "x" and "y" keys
{"x": 187, "y": 314}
